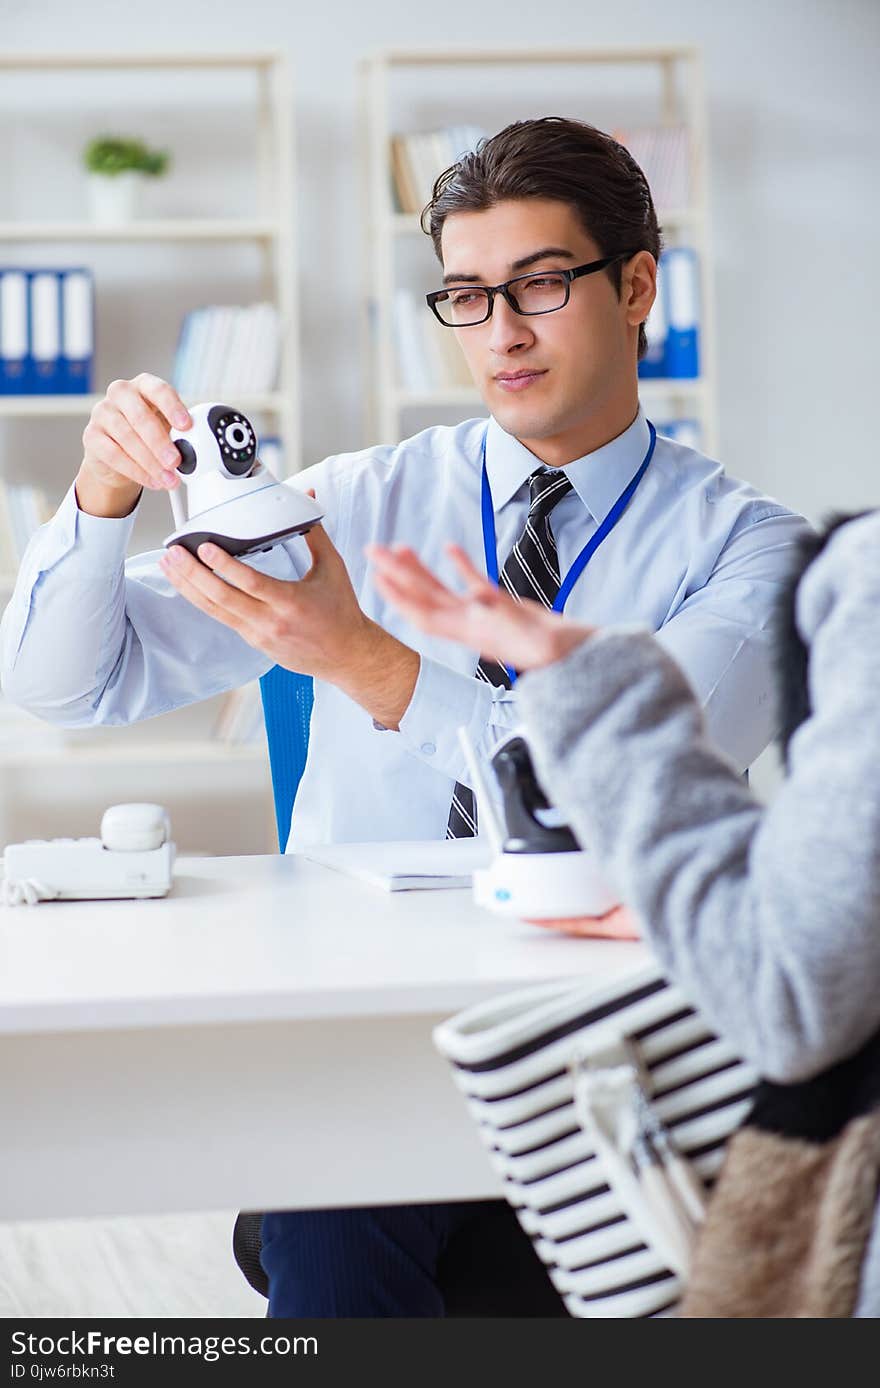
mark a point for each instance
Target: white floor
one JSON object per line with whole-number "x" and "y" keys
{"x": 158, "y": 1266}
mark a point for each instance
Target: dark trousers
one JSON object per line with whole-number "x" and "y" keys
{"x": 392, "y": 1261}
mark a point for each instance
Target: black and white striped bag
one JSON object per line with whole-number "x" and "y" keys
{"x": 517, "y": 1060}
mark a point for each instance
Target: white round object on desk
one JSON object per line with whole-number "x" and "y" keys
{"x": 135, "y": 828}
{"x": 544, "y": 886}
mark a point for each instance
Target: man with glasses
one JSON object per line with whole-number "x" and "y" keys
{"x": 549, "y": 244}
{"x": 464, "y": 306}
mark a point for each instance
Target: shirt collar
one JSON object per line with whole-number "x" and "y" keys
{"x": 598, "y": 477}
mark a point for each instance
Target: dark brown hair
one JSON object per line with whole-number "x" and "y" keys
{"x": 568, "y": 160}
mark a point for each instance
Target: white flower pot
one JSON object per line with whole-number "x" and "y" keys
{"x": 113, "y": 199}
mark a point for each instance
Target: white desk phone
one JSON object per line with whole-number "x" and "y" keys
{"x": 134, "y": 857}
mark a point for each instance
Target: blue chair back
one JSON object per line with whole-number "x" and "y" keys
{"x": 287, "y": 711}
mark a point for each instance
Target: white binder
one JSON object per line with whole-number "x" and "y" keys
{"x": 77, "y": 331}
{"x": 45, "y": 343}
{"x": 13, "y": 332}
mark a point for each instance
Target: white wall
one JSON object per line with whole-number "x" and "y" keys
{"x": 793, "y": 109}
{"x": 795, "y": 199}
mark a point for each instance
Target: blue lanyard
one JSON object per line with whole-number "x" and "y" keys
{"x": 490, "y": 546}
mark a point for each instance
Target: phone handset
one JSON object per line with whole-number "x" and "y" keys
{"x": 135, "y": 828}
{"x": 134, "y": 857}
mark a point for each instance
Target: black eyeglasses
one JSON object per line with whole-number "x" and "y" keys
{"x": 541, "y": 291}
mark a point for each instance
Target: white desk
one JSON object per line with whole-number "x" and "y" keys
{"x": 259, "y": 1039}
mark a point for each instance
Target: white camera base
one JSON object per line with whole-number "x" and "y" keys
{"x": 247, "y": 524}
{"x": 544, "y": 886}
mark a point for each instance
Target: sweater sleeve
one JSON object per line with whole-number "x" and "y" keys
{"x": 768, "y": 919}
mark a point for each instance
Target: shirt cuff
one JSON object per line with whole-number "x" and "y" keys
{"x": 443, "y": 701}
{"x": 104, "y": 539}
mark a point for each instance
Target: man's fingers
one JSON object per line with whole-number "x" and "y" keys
{"x": 405, "y": 563}
{"x": 206, "y": 590}
{"x": 321, "y": 547}
{"x": 165, "y": 399}
{"x": 187, "y": 589}
{"x": 239, "y": 575}
{"x": 161, "y": 473}
{"x": 404, "y": 566}
{"x": 125, "y": 401}
{"x": 105, "y": 450}
{"x": 478, "y": 584}
{"x": 423, "y": 612}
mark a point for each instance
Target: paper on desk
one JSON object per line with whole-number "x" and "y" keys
{"x": 415, "y": 865}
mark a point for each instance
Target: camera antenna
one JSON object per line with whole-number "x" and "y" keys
{"x": 178, "y": 510}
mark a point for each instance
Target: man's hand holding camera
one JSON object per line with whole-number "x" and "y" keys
{"x": 315, "y": 626}
{"x": 127, "y": 446}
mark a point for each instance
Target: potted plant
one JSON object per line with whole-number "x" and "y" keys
{"x": 117, "y": 165}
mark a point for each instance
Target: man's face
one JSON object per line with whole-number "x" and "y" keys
{"x": 547, "y": 377}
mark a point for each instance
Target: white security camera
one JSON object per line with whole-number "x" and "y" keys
{"x": 234, "y": 500}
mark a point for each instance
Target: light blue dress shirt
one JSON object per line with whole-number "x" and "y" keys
{"x": 698, "y": 557}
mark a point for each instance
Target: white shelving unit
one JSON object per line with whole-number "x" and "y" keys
{"x": 159, "y": 229}
{"x": 63, "y": 406}
{"x": 270, "y": 227}
{"x": 676, "y": 71}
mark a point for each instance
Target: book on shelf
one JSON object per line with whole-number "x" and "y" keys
{"x": 227, "y": 350}
{"x": 47, "y": 331}
{"x": 687, "y": 432}
{"x": 271, "y": 454}
{"x": 23, "y": 509}
{"x": 428, "y": 355}
{"x": 662, "y": 152}
{"x": 673, "y": 325}
{"x": 418, "y": 158}
{"x": 682, "y": 285}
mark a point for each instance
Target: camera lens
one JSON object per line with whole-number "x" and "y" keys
{"x": 237, "y": 440}
{"x": 237, "y": 436}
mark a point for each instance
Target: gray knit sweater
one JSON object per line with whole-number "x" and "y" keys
{"x": 769, "y": 918}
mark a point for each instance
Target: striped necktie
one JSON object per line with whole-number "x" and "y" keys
{"x": 530, "y": 571}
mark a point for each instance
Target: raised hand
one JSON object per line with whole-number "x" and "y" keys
{"x": 127, "y": 445}
{"x": 484, "y": 617}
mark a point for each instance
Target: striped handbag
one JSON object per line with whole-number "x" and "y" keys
{"x": 605, "y": 1111}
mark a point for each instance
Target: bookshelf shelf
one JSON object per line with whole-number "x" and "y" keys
{"x": 442, "y": 395}
{"x": 409, "y": 223}
{"x": 60, "y": 406}
{"x": 139, "y": 753}
{"x": 396, "y": 87}
{"x": 531, "y": 56}
{"x": 650, "y": 390}
{"x": 166, "y": 229}
{"x": 114, "y": 60}
{"x": 270, "y": 228}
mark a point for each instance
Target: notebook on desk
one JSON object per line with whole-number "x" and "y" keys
{"x": 415, "y": 865}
